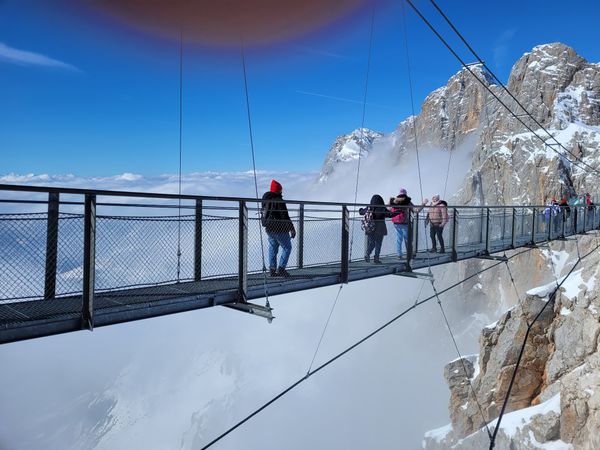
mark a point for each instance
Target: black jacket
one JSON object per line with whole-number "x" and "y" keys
{"x": 275, "y": 217}
{"x": 380, "y": 213}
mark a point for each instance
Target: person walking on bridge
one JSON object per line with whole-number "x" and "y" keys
{"x": 374, "y": 226}
{"x": 437, "y": 218}
{"x": 279, "y": 228}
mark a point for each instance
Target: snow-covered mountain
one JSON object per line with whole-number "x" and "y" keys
{"x": 348, "y": 147}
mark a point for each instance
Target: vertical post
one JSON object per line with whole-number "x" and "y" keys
{"x": 585, "y": 219}
{"x": 243, "y": 252}
{"x": 550, "y": 225}
{"x": 89, "y": 261}
{"x": 345, "y": 257}
{"x": 416, "y": 227}
{"x": 513, "y": 237}
{"x": 198, "y": 242}
{"x": 481, "y": 226}
{"x": 487, "y": 231}
{"x": 563, "y": 218}
{"x": 575, "y": 228}
{"x": 300, "y": 238}
{"x": 454, "y": 234}
{"x": 533, "y": 226}
{"x": 51, "y": 245}
{"x": 503, "y": 225}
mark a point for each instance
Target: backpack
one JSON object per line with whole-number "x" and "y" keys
{"x": 400, "y": 218}
{"x": 368, "y": 222}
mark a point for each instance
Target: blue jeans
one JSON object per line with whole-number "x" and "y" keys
{"x": 401, "y": 235}
{"x": 275, "y": 241}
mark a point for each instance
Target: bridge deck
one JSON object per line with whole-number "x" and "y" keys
{"x": 37, "y": 318}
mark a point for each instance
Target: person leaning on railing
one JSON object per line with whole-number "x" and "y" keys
{"x": 279, "y": 228}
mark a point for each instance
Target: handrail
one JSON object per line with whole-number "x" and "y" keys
{"x": 110, "y": 193}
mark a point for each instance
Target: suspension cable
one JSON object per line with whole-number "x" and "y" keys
{"x": 362, "y": 132}
{"x": 462, "y": 38}
{"x": 362, "y": 120}
{"x": 466, "y": 66}
{"x": 324, "y": 329}
{"x": 461, "y": 359}
{"x": 258, "y": 206}
{"x": 352, "y": 347}
{"x": 180, "y": 153}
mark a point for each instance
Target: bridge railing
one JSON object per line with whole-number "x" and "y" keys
{"x": 68, "y": 243}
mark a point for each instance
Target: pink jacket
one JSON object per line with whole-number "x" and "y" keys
{"x": 438, "y": 214}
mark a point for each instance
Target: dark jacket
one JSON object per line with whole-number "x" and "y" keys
{"x": 404, "y": 200}
{"x": 275, "y": 217}
{"x": 380, "y": 213}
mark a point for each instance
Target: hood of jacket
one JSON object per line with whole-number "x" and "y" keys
{"x": 272, "y": 196}
{"x": 403, "y": 200}
{"x": 377, "y": 200}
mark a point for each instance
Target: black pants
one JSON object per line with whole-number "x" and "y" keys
{"x": 436, "y": 230}
{"x": 374, "y": 241}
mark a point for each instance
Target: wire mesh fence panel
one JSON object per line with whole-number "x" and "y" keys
{"x": 322, "y": 239}
{"x": 470, "y": 224}
{"x": 134, "y": 251}
{"x": 220, "y": 247}
{"x": 23, "y": 255}
{"x": 358, "y": 239}
{"x": 69, "y": 267}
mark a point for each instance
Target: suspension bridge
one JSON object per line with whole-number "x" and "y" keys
{"x": 76, "y": 259}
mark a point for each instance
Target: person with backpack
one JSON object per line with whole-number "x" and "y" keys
{"x": 402, "y": 204}
{"x": 279, "y": 228}
{"x": 591, "y": 209}
{"x": 373, "y": 224}
{"x": 437, "y": 218}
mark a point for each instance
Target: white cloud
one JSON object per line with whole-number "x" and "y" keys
{"x": 13, "y": 55}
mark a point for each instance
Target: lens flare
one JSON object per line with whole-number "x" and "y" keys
{"x": 227, "y": 22}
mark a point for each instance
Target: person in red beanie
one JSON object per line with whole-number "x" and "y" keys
{"x": 279, "y": 228}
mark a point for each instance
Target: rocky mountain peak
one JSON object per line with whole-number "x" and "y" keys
{"x": 346, "y": 148}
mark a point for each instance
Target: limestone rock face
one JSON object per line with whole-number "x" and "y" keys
{"x": 511, "y": 164}
{"x": 556, "y": 394}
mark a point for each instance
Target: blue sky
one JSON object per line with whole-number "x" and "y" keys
{"x": 89, "y": 96}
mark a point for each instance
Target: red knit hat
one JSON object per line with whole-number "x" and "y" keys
{"x": 275, "y": 186}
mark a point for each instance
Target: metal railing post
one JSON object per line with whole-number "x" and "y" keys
{"x": 487, "y": 231}
{"x": 503, "y": 225}
{"x": 454, "y": 234}
{"x": 416, "y": 227}
{"x": 345, "y": 257}
{"x": 198, "y": 241}
{"x": 89, "y": 261}
{"x": 564, "y": 222}
{"x": 533, "y": 226}
{"x": 51, "y": 245}
{"x": 513, "y": 239}
{"x": 243, "y": 252}
{"x": 550, "y": 225}
{"x": 481, "y": 216}
{"x": 300, "y": 238}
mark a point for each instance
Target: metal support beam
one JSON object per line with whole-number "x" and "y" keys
{"x": 51, "y": 245}
{"x": 300, "y": 238}
{"x": 251, "y": 308}
{"x": 198, "y": 242}
{"x": 550, "y": 224}
{"x": 243, "y": 252}
{"x": 89, "y": 261}
{"x": 416, "y": 228}
{"x": 345, "y": 257}
{"x": 454, "y": 234}
{"x": 493, "y": 257}
{"x": 419, "y": 275}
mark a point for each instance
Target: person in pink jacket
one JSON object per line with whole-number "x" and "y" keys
{"x": 437, "y": 218}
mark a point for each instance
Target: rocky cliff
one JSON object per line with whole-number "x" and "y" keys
{"x": 555, "y": 400}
